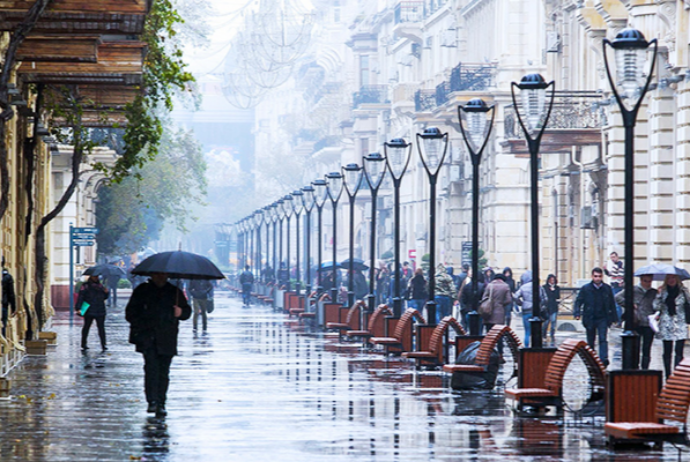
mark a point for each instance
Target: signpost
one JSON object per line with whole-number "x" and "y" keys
{"x": 466, "y": 256}
{"x": 78, "y": 237}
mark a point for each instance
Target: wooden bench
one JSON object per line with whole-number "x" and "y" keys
{"x": 352, "y": 321}
{"x": 672, "y": 404}
{"x": 434, "y": 355}
{"x": 551, "y": 393}
{"x": 376, "y": 326}
{"x": 402, "y": 335}
{"x": 487, "y": 346}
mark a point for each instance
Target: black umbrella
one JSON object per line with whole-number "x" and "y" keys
{"x": 357, "y": 264}
{"x": 105, "y": 270}
{"x": 179, "y": 265}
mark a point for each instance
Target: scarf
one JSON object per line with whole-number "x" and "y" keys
{"x": 672, "y": 294}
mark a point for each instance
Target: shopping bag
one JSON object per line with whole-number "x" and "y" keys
{"x": 84, "y": 306}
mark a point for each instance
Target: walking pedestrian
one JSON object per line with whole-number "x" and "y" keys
{"x": 246, "y": 280}
{"x": 499, "y": 297}
{"x": 508, "y": 273}
{"x": 154, "y": 312}
{"x": 445, "y": 293}
{"x": 597, "y": 308}
{"x": 417, "y": 292}
{"x": 112, "y": 281}
{"x": 644, "y": 296}
{"x": 553, "y": 298}
{"x": 523, "y": 297}
{"x": 201, "y": 291}
{"x": 616, "y": 272}
{"x": 467, "y": 301}
{"x": 671, "y": 304}
{"x": 94, "y": 294}
{"x": 8, "y": 297}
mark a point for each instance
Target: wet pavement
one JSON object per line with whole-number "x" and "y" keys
{"x": 258, "y": 388}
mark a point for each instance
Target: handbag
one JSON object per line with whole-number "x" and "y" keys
{"x": 485, "y": 309}
{"x": 686, "y": 307}
{"x": 210, "y": 306}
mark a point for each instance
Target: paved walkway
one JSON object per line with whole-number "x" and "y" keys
{"x": 254, "y": 389}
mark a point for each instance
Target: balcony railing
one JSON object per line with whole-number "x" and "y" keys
{"x": 409, "y": 11}
{"x": 424, "y": 100}
{"x": 370, "y": 94}
{"x": 571, "y": 111}
{"x": 472, "y": 77}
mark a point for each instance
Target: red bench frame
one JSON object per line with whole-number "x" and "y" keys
{"x": 403, "y": 333}
{"x": 434, "y": 355}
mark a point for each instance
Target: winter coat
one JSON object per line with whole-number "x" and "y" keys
{"x": 444, "y": 283}
{"x": 8, "y": 297}
{"x": 523, "y": 296}
{"x": 361, "y": 288}
{"x": 466, "y": 295}
{"x": 201, "y": 289}
{"x": 417, "y": 289}
{"x": 584, "y": 306}
{"x": 553, "y": 296}
{"x": 152, "y": 318}
{"x": 643, "y": 301}
{"x": 509, "y": 279}
{"x": 672, "y": 327}
{"x": 95, "y": 295}
{"x": 498, "y": 293}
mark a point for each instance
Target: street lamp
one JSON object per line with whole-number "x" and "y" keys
{"x": 432, "y": 146}
{"x": 533, "y": 93}
{"x": 476, "y": 136}
{"x": 280, "y": 215}
{"x": 308, "y": 201}
{"x": 287, "y": 210}
{"x": 334, "y": 184}
{"x": 352, "y": 174}
{"x": 273, "y": 215}
{"x": 374, "y": 170}
{"x": 630, "y": 51}
{"x": 320, "y": 195}
{"x": 397, "y": 153}
{"x": 258, "y": 220}
{"x": 297, "y": 196}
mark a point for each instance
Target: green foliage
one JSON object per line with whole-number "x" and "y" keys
{"x": 133, "y": 211}
{"x": 124, "y": 284}
{"x": 387, "y": 255}
{"x": 164, "y": 75}
{"x": 483, "y": 262}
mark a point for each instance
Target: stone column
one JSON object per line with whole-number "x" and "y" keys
{"x": 682, "y": 174}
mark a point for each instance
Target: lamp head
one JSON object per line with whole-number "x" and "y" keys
{"x": 375, "y": 169}
{"x": 297, "y": 196}
{"x": 287, "y": 205}
{"x": 352, "y": 175}
{"x": 432, "y": 148}
{"x": 320, "y": 191}
{"x": 334, "y": 182}
{"x": 397, "y": 153}
{"x": 308, "y": 198}
{"x": 477, "y": 118}
{"x": 279, "y": 209}
{"x": 630, "y": 51}
{"x": 533, "y": 92}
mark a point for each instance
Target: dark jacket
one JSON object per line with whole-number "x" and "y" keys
{"x": 585, "y": 306}
{"x": 201, "y": 289}
{"x": 247, "y": 277}
{"x": 8, "y": 298}
{"x": 466, "y": 296}
{"x": 553, "y": 295}
{"x": 152, "y": 319}
{"x": 643, "y": 300}
{"x": 95, "y": 295}
{"x": 417, "y": 288}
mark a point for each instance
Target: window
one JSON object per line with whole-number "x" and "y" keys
{"x": 363, "y": 70}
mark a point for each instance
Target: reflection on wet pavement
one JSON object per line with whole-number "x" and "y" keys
{"x": 256, "y": 388}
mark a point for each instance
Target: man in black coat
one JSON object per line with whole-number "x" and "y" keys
{"x": 597, "y": 307}
{"x": 154, "y": 312}
{"x": 8, "y": 298}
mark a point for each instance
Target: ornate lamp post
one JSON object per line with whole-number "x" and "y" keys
{"x": 287, "y": 210}
{"x": 374, "y": 170}
{"x": 432, "y": 146}
{"x": 536, "y": 115}
{"x": 397, "y": 153}
{"x": 320, "y": 194}
{"x": 630, "y": 50}
{"x": 476, "y": 135}
{"x": 258, "y": 219}
{"x": 240, "y": 246}
{"x": 250, "y": 238}
{"x": 308, "y": 201}
{"x": 279, "y": 216}
{"x": 273, "y": 216}
{"x": 352, "y": 174}
{"x": 297, "y": 196}
{"x": 267, "y": 220}
{"x": 334, "y": 183}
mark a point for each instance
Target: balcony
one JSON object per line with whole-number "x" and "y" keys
{"x": 409, "y": 11}
{"x": 424, "y": 100}
{"x": 472, "y": 77}
{"x": 370, "y": 94}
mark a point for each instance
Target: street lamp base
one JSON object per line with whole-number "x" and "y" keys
{"x": 536, "y": 339}
{"x": 334, "y": 295}
{"x": 371, "y": 303}
{"x": 350, "y": 299}
{"x": 631, "y": 350}
{"x": 397, "y": 307}
{"x": 474, "y": 323}
{"x": 431, "y": 313}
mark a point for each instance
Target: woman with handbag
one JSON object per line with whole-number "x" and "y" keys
{"x": 671, "y": 304}
{"x": 93, "y": 294}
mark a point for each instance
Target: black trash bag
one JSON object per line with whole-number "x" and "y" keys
{"x": 475, "y": 380}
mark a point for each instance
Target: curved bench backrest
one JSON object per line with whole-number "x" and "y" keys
{"x": 405, "y": 322}
{"x": 436, "y": 340}
{"x": 674, "y": 399}
{"x": 560, "y": 361}
{"x": 378, "y": 318}
{"x": 353, "y": 314}
{"x": 491, "y": 340}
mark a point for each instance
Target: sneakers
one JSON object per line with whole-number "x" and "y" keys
{"x": 153, "y": 407}
{"x": 160, "y": 411}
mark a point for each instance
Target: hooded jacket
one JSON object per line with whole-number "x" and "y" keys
{"x": 523, "y": 296}
{"x": 553, "y": 294}
{"x": 444, "y": 283}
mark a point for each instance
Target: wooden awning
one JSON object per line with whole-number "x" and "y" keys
{"x": 97, "y": 119}
{"x": 79, "y": 16}
{"x": 118, "y": 63}
{"x": 59, "y": 49}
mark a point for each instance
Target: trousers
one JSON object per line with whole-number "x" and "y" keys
{"x": 668, "y": 350}
{"x": 156, "y": 375}
{"x": 100, "y": 323}
{"x": 200, "y": 309}
{"x": 600, "y": 329}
